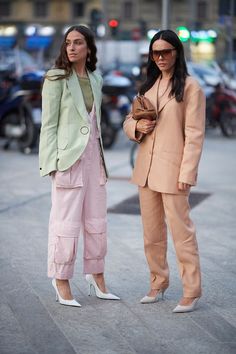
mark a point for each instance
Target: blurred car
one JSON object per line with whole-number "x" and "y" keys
{"x": 21, "y": 68}
{"x": 207, "y": 79}
{"x": 17, "y": 61}
{"x": 130, "y": 70}
{"x": 210, "y": 75}
{"x": 228, "y": 76}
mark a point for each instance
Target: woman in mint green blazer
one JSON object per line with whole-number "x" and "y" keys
{"x": 71, "y": 152}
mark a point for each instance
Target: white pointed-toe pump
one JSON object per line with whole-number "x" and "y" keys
{"x": 92, "y": 284}
{"x": 61, "y": 300}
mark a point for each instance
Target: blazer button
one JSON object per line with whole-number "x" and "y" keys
{"x": 84, "y": 130}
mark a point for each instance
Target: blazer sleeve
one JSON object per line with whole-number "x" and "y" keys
{"x": 51, "y": 97}
{"x": 98, "y": 78}
{"x": 194, "y": 129}
{"x": 129, "y": 127}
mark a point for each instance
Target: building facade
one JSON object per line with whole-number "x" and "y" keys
{"x": 38, "y": 25}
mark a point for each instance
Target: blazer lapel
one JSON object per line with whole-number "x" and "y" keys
{"x": 77, "y": 95}
{"x": 164, "y": 100}
{"x": 96, "y": 93}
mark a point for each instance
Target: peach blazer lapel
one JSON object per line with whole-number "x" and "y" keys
{"x": 164, "y": 99}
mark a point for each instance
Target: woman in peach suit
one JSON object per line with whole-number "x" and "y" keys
{"x": 166, "y": 166}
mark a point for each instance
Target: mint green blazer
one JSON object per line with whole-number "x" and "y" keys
{"x": 65, "y": 127}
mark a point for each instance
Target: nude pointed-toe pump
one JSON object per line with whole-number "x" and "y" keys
{"x": 186, "y": 308}
{"x": 151, "y": 299}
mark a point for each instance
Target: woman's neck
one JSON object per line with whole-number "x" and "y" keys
{"x": 80, "y": 70}
{"x": 166, "y": 75}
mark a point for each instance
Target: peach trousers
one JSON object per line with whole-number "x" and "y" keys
{"x": 155, "y": 207}
{"x": 79, "y": 205}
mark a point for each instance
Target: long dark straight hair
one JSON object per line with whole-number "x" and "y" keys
{"x": 62, "y": 61}
{"x": 180, "y": 69}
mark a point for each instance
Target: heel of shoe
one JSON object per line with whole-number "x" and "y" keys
{"x": 90, "y": 289}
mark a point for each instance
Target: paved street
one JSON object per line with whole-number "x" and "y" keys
{"x": 31, "y": 320}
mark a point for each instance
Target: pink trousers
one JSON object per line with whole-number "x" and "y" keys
{"x": 79, "y": 206}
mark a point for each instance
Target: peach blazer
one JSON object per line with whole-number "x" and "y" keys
{"x": 171, "y": 153}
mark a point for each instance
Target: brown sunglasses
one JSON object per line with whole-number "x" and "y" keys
{"x": 165, "y": 53}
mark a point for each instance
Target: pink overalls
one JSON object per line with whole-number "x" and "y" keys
{"x": 79, "y": 205}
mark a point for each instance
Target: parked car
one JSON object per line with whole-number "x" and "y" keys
{"x": 210, "y": 75}
{"x": 206, "y": 77}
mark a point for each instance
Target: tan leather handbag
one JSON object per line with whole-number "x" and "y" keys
{"x": 142, "y": 108}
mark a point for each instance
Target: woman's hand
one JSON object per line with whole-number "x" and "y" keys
{"x": 145, "y": 126}
{"x": 183, "y": 186}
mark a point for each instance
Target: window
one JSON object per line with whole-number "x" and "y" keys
{"x": 78, "y": 9}
{"x": 128, "y": 10}
{"x": 5, "y": 8}
{"x": 40, "y": 9}
{"x": 202, "y": 10}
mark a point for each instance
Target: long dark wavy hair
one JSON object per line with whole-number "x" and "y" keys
{"x": 180, "y": 69}
{"x": 62, "y": 61}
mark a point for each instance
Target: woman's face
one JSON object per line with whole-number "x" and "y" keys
{"x": 164, "y": 55}
{"x": 76, "y": 47}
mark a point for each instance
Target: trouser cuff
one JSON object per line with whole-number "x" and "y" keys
{"x": 94, "y": 266}
{"x": 61, "y": 271}
{"x": 192, "y": 293}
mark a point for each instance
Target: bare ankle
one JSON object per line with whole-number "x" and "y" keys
{"x": 63, "y": 286}
{"x": 99, "y": 279}
{"x": 185, "y": 301}
{"x": 98, "y": 276}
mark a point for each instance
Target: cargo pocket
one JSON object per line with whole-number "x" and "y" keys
{"x": 71, "y": 178}
{"x": 66, "y": 243}
{"x": 95, "y": 240}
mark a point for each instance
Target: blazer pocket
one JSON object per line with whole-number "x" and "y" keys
{"x": 171, "y": 157}
{"x": 62, "y": 142}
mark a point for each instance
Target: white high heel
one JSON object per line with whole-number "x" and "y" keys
{"x": 186, "y": 308}
{"x": 61, "y": 300}
{"x": 92, "y": 283}
{"x": 151, "y": 299}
